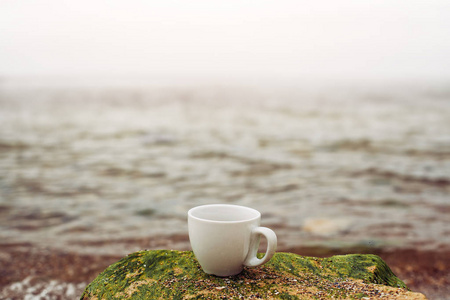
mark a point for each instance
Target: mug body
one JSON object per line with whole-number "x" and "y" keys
{"x": 220, "y": 236}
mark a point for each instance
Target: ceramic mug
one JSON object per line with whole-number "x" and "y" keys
{"x": 225, "y": 238}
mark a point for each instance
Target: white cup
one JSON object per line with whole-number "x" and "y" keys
{"x": 225, "y": 238}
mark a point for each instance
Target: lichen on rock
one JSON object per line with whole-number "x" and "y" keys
{"x": 164, "y": 274}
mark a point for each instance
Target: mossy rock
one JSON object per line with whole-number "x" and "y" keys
{"x": 163, "y": 274}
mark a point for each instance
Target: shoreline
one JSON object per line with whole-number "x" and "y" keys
{"x": 27, "y": 268}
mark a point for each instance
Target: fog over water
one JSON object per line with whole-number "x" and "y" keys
{"x": 248, "y": 40}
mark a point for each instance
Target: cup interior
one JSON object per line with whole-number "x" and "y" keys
{"x": 224, "y": 213}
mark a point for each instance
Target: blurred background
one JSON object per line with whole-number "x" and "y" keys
{"x": 331, "y": 118}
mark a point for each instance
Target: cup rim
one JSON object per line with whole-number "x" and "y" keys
{"x": 192, "y": 210}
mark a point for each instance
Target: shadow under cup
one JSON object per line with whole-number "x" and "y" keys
{"x": 225, "y": 237}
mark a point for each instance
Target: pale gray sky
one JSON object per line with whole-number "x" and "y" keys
{"x": 319, "y": 39}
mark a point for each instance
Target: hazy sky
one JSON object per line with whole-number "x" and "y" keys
{"x": 330, "y": 39}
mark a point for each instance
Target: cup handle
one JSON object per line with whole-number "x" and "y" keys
{"x": 251, "y": 260}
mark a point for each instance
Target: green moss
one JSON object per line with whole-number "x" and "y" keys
{"x": 162, "y": 274}
{"x": 286, "y": 296}
{"x": 368, "y": 267}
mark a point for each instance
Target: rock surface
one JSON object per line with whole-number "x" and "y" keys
{"x": 164, "y": 274}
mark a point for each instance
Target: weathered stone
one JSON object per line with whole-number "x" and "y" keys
{"x": 163, "y": 274}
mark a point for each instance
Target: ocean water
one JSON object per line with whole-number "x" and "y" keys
{"x": 85, "y": 168}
